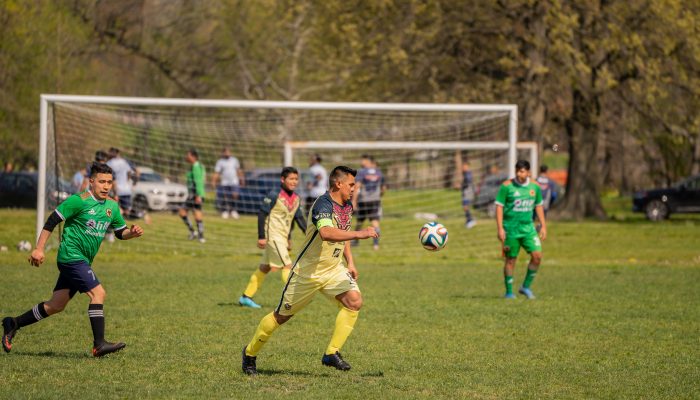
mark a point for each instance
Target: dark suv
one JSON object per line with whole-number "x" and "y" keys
{"x": 659, "y": 204}
{"x": 19, "y": 189}
{"x": 259, "y": 182}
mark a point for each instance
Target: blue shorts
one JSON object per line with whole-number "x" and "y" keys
{"x": 77, "y": 276}
{"x": 125, "y": 202}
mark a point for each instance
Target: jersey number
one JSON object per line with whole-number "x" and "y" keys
{"x": 336, "y": 253}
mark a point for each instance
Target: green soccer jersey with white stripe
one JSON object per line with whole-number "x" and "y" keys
{"x": 518, "y": 202}
{"x": 86, "y": 221}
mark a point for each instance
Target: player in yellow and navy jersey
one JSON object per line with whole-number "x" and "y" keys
{"x": 515, "y": 202}
{"x": 87, "y": 216}
{"x": 324, "y": 265}
{"x": 279, "y": 210}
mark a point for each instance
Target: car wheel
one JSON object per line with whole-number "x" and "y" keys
{"x": 656, "y": 210}
{"x": 140, "y": 203}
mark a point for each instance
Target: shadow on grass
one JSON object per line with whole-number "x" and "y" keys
{"x": 54, "y": 354}
{"x": 331, "y": 373}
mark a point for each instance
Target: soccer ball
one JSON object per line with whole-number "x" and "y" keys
{"x": 24, "y": 245}
{"x": 433, "y": 236}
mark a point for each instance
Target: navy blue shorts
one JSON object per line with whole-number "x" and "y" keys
{"x": 125, "y": 202}
{"x": 77, "y": 276}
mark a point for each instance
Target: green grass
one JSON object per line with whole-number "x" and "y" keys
{"x": 617, "y": 316}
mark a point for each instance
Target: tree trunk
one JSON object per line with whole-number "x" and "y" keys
{"x": 582, "y": 187}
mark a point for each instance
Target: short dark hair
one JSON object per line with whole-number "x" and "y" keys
{"x": 522, "y": 164}
{"x": 100, "y": 168}
{"x": 317, "y": 157}
{"x": 544, "y": 168}
{"x": 114, "y": 150}
{"x": 339, "y": 173}
{"x": 288, "y": 170}
{"x": 101, "y": 156}
{"x": 368, "y": 157}
{"x": 194, "y": 153}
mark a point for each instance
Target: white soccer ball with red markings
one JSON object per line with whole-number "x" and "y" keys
{"x": 433, "y": 236}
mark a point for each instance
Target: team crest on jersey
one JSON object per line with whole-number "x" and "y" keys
{"x": 109, "y": 212}
{"x": 287, "y": 306}
{"x": 532, "y": 192}
{"x": 342, "y": 215}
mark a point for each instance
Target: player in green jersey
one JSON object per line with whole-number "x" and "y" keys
{"x": 87, "y": 215}
{"x": 195, "y": 195}
{"x": 515, "y": 202}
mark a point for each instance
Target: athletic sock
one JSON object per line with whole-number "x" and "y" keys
{"x": 36, "y": 314}
{"x": 200, "y": 228}
{"x": 285, "y": 274}
{"x": 265, "y": 329}
{"x": 188, "y": 223}
{"x": 376, "y": 240}
{"x": 509, "y": 284}
{"x": 468, "y": 215}
{"x": 255, "y": 282}
{"x": 97, "y": 321}
{"x": 529, "y": 277}
{"x": 344, "y": 323}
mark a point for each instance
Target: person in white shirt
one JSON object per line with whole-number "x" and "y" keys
{"x": 122, "y": 179}
{"x": 318, "y": 184}
{"x": 228, "y": 178}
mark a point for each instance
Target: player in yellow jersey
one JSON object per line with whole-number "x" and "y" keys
{"x": 324, "y": 265}
{"x": 279, "y": 210}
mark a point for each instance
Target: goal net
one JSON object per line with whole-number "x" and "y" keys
{"x": 421, "y": 150}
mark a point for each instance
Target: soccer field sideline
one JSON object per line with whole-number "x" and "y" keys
{"x": 616, "y": 319}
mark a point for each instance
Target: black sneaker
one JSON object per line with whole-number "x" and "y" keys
{"x": 248, "y": 363}
{"x": 9, "y": 327}
{"x": 106, "y": 348}
{"x": 336, "y": 361}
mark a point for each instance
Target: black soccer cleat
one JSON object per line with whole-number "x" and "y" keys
{"x": 107, "y": 348}
{"x": 248, "y": 363}
{"x": 9, "y": 327}
{"x": 336, "y": 361}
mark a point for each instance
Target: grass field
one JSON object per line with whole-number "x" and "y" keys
{"x": 617, "y": 316}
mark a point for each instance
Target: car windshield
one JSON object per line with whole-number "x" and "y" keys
{"x": 150, "y": 177}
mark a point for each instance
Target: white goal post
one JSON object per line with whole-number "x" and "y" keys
{"x": 509, "y": 145}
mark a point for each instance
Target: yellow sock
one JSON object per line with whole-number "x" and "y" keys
{"x": 267, "y": 325}
{"x": 344, "y": 323}
{"x": 255, "y": 282}
{"x": 285, "y": 275}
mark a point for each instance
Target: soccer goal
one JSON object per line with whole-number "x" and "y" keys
{"x": 421, "y": 149}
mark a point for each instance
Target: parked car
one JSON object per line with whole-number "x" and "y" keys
{"x": 19, "y": 189}
{"x": 660, "y": 203}
{"x": 258, "y": 183}
{"x": 153, "y": 192}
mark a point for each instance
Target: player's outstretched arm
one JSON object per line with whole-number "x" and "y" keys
{"x": 37, "y": 257}
{"x": 130, "y": 233}
{"x": 331, "y": 234}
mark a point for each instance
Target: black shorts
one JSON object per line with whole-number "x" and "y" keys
{"x": 190, "y": 204}
{"x": 369, "y": 210}
{"x": 77, "y": 276}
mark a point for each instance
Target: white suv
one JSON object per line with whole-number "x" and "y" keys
{"x": 152, "y": 192}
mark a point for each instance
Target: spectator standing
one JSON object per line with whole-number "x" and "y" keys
{"x": 227, "y": 179}
{"x": 318, "y": 184}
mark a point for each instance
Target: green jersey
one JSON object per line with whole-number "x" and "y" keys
{"x": 195, "y": 179}
{"x": 86, "y": 221}
{"x": 518, "y": 202}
